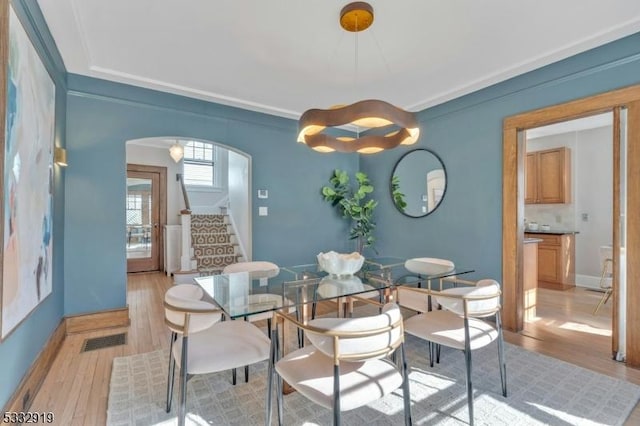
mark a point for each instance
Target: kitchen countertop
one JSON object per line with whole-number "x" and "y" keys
{"x": 532, "y": 240}
{"x": 551, "y": 231}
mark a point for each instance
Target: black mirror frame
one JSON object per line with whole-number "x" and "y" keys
{"x": 444, "y": 169}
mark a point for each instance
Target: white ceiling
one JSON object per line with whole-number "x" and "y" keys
{"x": 286, "y": 56}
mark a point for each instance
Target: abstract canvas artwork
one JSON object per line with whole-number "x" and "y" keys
{"x": 27, "y": 179}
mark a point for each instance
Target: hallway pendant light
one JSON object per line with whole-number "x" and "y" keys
{"x": 176, "y": 152}
{"x": 367, "y": 114}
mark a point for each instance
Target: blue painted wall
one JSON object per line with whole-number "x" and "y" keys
{"x": 20, "y": 348}
{"x": 467, "y": 134}
{"x": 102, "y": 116}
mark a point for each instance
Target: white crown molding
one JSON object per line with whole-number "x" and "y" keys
{"x": 86, "y": 50}
{"x": 191, "y": 92}
{"x": 563, "y": 52}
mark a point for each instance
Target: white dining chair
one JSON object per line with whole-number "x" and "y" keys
{"x": 463, "y": 324}
{"x": 201, "y": 344}
{"x": 258, "y": 270}
{"x": 346, "y": 366}
{"x": 423, "y": 267}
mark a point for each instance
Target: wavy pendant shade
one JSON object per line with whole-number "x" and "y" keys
{"x": 368, "y": 114}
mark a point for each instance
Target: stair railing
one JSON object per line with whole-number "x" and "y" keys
{"x": 185, "y": 195}
{"x": 185, "y": 221}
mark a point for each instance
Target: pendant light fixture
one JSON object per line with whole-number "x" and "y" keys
{"x": 176, "y": 151}
{"x": 368, "y": 114}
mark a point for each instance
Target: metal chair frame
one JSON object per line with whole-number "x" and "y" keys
{"x": 467, "y": 347}
{"x": 337, "y": 357}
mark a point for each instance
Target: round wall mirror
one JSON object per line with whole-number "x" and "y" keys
{"x": 418, "y": 183}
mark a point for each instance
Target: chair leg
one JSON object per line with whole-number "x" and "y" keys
{"x": 503, "y": 364}
{"x": 246, "y": 374}
{"x": 467, "y": 361}
{"x": 233, "y": 376}
{"x": 336, "y": 395}
{"x": 313, "y": 305}
{"x": 300, "y": 332}
{"x": 608, "y": 291}
{"x": 279, "y": 385}
{"x": 270, "y": 372}
{"x": 431, "y": 346}
{"x": 438, "y": 347}
{"x": 406, "y": 394}
{"x": 280, "y": 400}
{"x": 182, "y": 410}
{"x": 172, "y": 371}
{"x": 603, "y": 300}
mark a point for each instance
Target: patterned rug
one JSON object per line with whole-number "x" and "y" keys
{"x": 542, "y": 391}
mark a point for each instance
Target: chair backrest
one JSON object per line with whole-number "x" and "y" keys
{"x": 185, "y": 312}
{"x": 256, "y": 269}
{"x": 428, "y": 265}
{"x": 483, "y": 300}
{"x": 606, "y": 256}
{"x": 359, "y": 339}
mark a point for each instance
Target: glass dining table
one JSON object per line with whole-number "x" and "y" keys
{"x": 296, "y": 287}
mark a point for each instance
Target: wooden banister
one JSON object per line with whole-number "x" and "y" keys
{"x": 185, "y": 196}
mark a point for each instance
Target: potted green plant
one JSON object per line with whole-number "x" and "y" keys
{"x": 355, "y": 204}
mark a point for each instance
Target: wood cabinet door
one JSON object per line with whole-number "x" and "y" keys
{"x": 531, "y": 179}
{"x": 552, "y": 176}
{"x": 548, "y": 263}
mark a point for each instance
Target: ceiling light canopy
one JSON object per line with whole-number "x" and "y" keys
{"x": 368, "y": 114}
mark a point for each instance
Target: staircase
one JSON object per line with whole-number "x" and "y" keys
{"x": 214, "y": 244}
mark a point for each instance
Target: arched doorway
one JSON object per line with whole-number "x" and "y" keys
{"x": 218, "y": 183}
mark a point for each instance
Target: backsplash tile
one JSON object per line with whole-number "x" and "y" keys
{"x": 548, "y": 214}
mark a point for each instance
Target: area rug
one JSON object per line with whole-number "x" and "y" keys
{"x": 542, "y": 391}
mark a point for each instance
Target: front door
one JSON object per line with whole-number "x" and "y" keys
{"x": 143, "y": 237}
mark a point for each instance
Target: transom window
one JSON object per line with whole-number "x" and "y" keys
{"x": 199, "y": 160}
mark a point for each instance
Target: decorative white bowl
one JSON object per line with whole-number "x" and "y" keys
{"x": 340, "y": 263}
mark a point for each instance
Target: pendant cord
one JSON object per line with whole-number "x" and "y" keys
{"x": 355, "y": 77}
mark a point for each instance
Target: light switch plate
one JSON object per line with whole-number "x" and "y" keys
{"x": 263, "y": 211}
{"x": 263, "y": 193}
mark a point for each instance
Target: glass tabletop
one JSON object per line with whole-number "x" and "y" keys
{"x": 239, "y": 295}
{"x": 383, "y": 262}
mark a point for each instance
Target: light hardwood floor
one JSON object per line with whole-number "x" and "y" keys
{"x": 77, "y": 386}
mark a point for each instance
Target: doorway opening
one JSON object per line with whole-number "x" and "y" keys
{"x": 207, "y": 181}
{"x": 145, "y": 212}
{"x": 625, "y": 105}
{"x": 568, "y": 222}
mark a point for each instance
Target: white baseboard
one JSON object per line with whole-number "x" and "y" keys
{"x": 588, "y": 281}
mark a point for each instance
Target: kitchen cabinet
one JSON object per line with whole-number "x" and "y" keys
{"x": 556, "y": 260}
{"x": 548, "y": 176}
